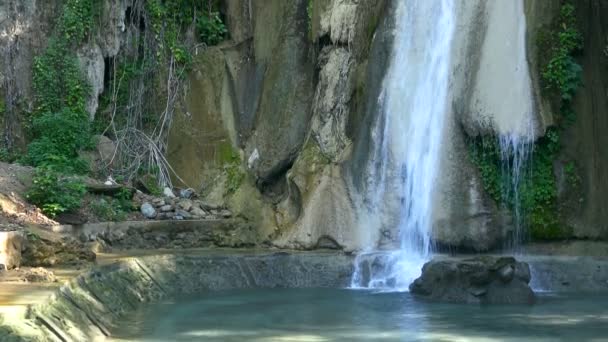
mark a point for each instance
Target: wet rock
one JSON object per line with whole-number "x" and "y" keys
{"x": 186, "y": 193}
{"x": 506, "y": 273}
{"x": 39, "y": 275}
{"x": 168, "y": 192}
{"x": 197, "y": 212}
{"x": 185, "y": 204}
{"x": 482, "y": 280}
{"x": 225, "y": 213}
{"x": 209, "y": 206}
{"x": 148, "y": 210}
{"x": 45, "y": 252}
{"x": 183, "y": 214}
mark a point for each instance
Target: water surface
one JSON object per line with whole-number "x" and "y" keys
{"x": 347, "y": 315}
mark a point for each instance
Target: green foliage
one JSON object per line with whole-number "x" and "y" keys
{"x": 572, "y": 176}
{"x": 113, "y": 208}
{"x": 234, "y": 174}
{"x": 77, "y": 20}
{"x": 485, "y": 154}
{"x": 310, "y": 12}
{"x": 169, "y": 18}
{"x": 211, "y": 28}
{"x": 59, "y": 137}
{"x": 150, "y": 182}
{"x": 537, "y": 191}
{"x": 7, "y": 156}
{"x": 58, "y": 81}
{"x": 54, "y": 193}
{"x": 60, "y": 124}
{"x": 561, "y": 73}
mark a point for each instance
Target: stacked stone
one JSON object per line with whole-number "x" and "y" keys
{"x": 170, "y": 207}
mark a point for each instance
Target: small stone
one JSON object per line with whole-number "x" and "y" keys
{"x": 148, "y": 210}
{"x": 186, "y": 193}
{"x": 178, "y": 217}
{"x": 168, "y": 192}
{"x": 198, "y": 212}
{"x": 159, "y": 202}
{"x": 185, "y": 204}
{"x": 165, "y": 208}
{"x": 225, "y": 213}
{"x": 184, "y": 214}
{"x": 208, "y": 206}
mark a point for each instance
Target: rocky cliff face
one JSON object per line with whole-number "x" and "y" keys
{"x": 280, "y": 105}
{"x": 275, "y": 122}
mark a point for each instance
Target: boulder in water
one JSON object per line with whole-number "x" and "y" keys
{"x": 480, "y": 280}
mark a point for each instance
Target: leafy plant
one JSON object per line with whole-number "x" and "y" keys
{"x": 54, "y": 193}
{"x": 562, "y": 73}
{"x": 60, "y": 124}
{"x": 211, "y": 28}
{"x": 110, "y": 209}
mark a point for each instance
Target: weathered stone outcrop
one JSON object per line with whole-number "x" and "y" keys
{"x": 24, "y": 26}
{"x": 12, "y": 244}
{"x": 481, "y": 280}
{"x": 322, "y": 192}
{"x": 274, "y": 90}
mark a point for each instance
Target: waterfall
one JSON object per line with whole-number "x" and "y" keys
{"x": 407, "y": 140}
{"x": 513, "y": 113}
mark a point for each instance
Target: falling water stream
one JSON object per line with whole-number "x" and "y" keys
{"x": 414, "y": 103}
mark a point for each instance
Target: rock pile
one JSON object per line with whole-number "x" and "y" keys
{"x": 180, "y": 208}
{"x": 480, "y": 280}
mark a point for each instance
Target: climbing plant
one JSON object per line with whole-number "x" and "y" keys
{"x": 59, "y": 125}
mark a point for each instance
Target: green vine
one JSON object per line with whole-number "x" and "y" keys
{"x": 59, "y": 126}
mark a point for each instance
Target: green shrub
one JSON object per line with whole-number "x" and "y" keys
{"x": 55, "y": 193}
{"x": 561, "y": 72}
{"x": 211, "y": 28}
{"x": 111, "y": 209}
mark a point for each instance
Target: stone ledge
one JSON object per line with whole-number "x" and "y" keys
{"x": 89, "y": 307}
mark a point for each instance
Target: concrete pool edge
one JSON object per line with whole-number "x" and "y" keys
{"x": 90, "y": 306}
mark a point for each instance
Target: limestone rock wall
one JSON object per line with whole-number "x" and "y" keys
{"x": 583, "y": 141}
{"x": 23, "y": 25}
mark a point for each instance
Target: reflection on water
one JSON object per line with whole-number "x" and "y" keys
{"x": 346, "y": 315}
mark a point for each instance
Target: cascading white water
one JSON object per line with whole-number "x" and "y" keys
{"x": 512, "y": 110}
{"x": 408, "y": 137}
